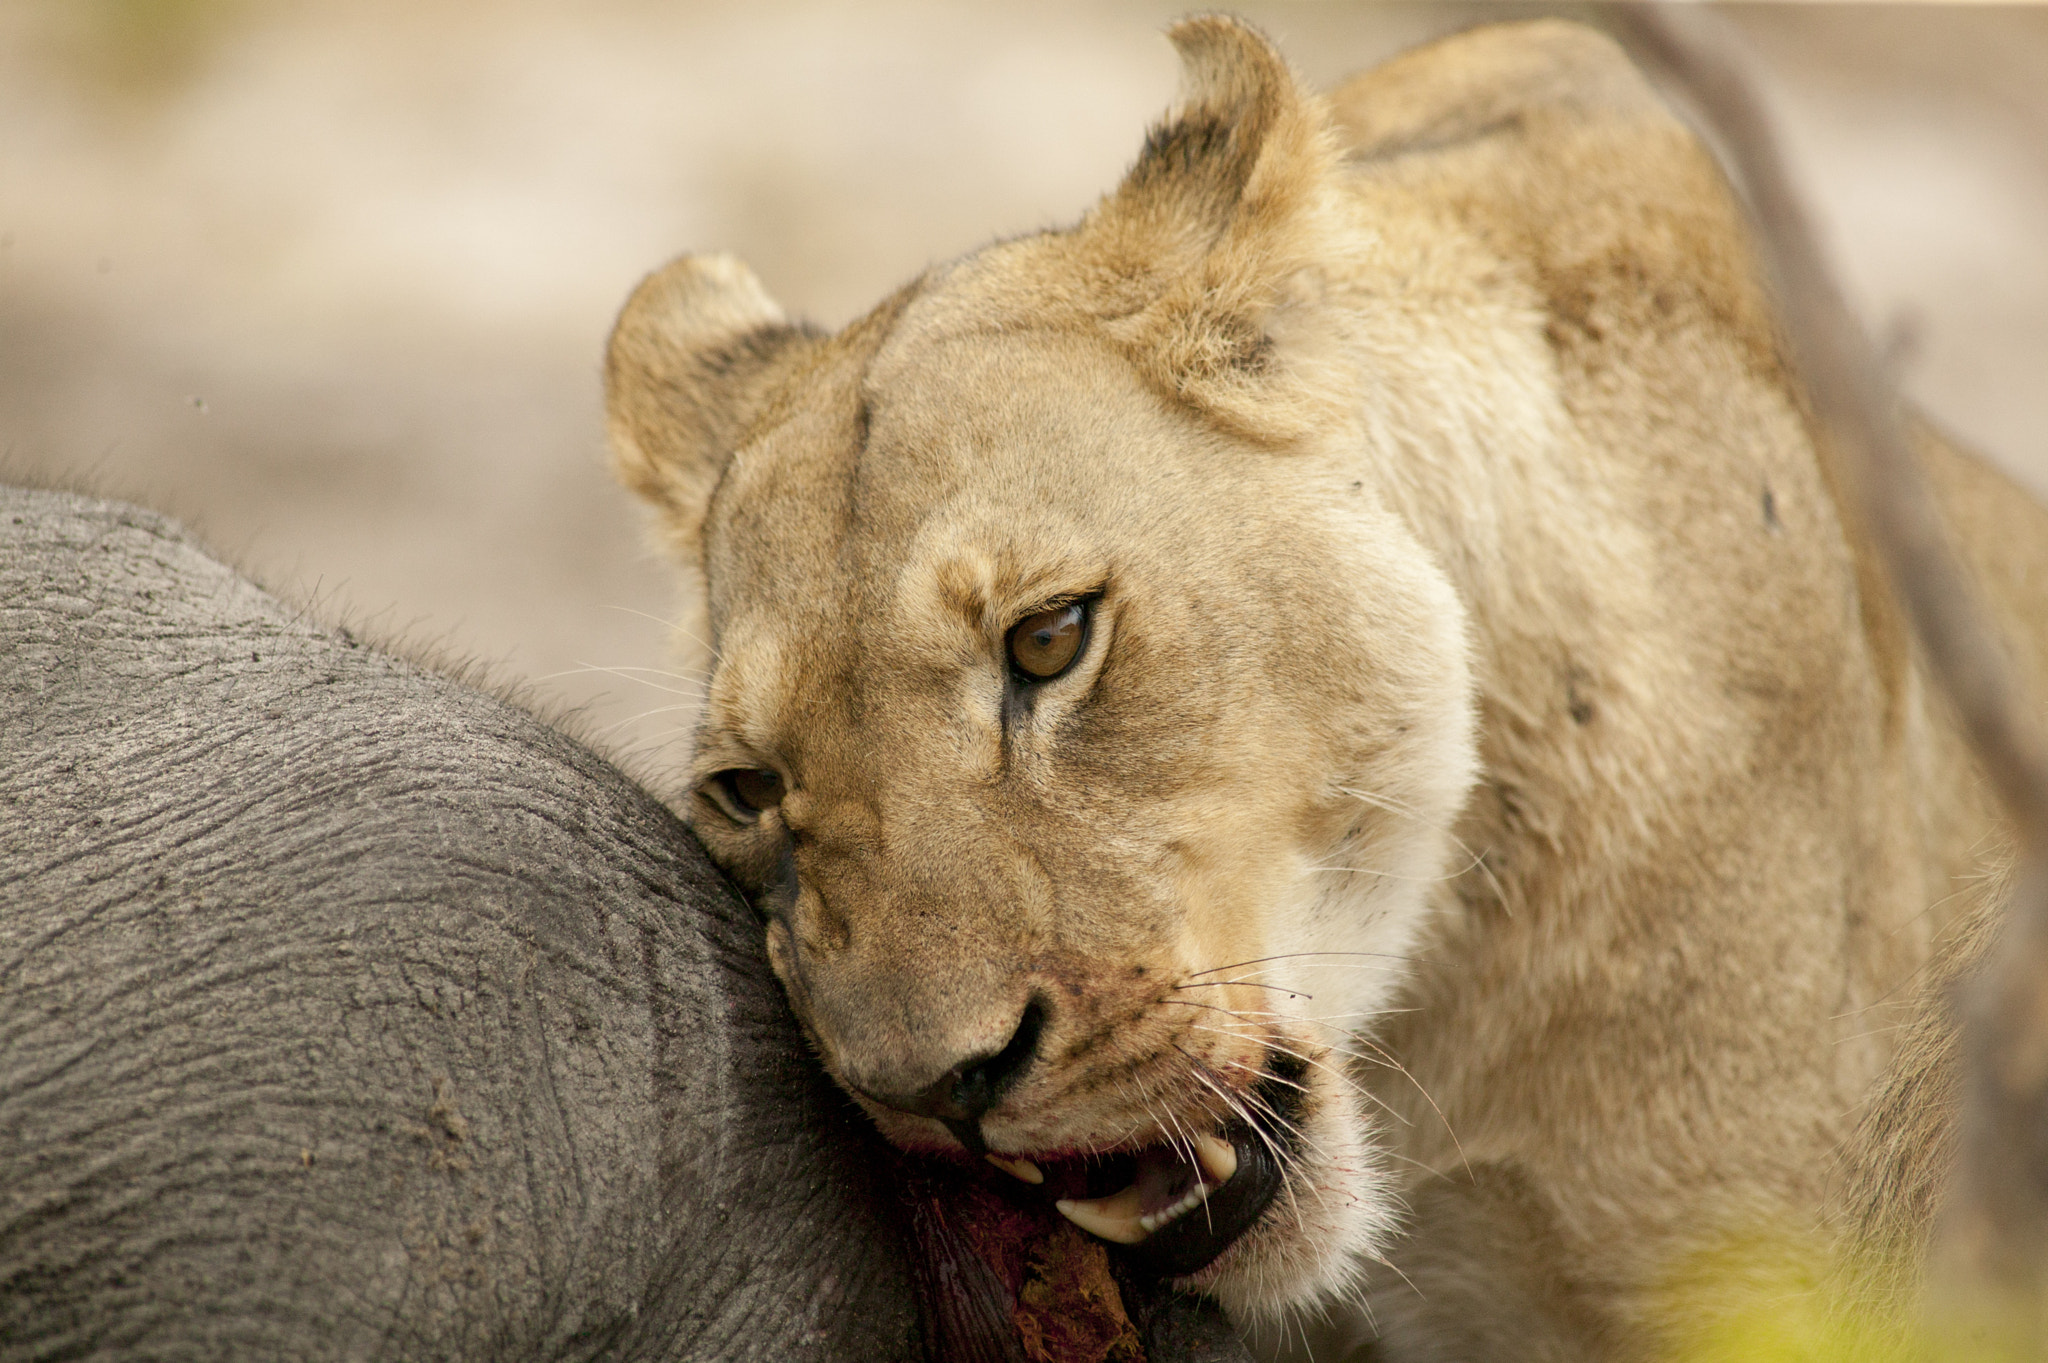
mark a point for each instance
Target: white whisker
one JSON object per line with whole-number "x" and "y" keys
{"x": 673, "y": 626}
{"x": 625, "y": 672}
{"x": 1393, "y": 806}
{"x": 1296, "y": 956}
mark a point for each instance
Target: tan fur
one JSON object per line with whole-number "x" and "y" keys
{"x": 1478, "y": 634}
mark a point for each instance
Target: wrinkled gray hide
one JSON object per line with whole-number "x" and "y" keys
{"x": 347, "y": 1012}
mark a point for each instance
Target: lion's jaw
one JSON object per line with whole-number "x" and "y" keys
{"x": 1198, "y": 859}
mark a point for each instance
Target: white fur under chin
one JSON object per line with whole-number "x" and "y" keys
{"x": 1336, "y": 1212}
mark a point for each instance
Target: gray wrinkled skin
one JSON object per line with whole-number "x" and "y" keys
{"x": 347, "y": 1012}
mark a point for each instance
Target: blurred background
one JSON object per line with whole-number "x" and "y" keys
{"x": 331, "y": 281}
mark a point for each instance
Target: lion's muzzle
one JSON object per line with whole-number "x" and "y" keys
{"x": 965, "y": 1092}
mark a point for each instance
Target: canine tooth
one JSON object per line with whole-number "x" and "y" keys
{"x": 1217, "y": 1157}
{"x": 1017, "y": 1168}
{"x": 1112, "y": 1218}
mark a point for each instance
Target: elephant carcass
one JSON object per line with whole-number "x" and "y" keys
{"x": 347, "y": 1011}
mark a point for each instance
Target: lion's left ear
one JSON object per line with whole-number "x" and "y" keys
{"x": 694, "y": 356}
{"x": 1208, "y": 261}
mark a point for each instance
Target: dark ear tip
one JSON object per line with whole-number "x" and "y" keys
{"x": 1213, "y": 45}
{"x": 1232, "y": 75}
{"x": 1198, "y": 30}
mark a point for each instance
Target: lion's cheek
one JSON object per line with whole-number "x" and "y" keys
{"x": 1225, "y": 888}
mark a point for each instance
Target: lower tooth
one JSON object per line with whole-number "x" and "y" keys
{"x": 1016, "y": 1168}
{"x": 1195, "y": 1197}
{"x": 1112, "y": 1218}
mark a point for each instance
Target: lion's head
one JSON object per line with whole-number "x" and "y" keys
{"x": 1087, "y": 728}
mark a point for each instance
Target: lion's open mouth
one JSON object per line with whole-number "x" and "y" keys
{"x": 1174, "y": 1207}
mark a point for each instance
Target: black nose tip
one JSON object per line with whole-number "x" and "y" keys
{"x": 962, "y": 1094}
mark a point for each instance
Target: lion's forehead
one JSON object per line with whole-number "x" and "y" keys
{"x": 999, "y": 473}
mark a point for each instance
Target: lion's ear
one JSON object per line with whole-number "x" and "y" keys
{"x": 692, "y": 360}
{"x": 1209, "y": 258}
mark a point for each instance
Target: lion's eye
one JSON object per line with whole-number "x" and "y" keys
{"x": 750, "y": 789}
{"x": 1046, "y": 644}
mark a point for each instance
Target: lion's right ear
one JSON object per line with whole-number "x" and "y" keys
{"x": 692, "y": 360}
{"x": 1209, "y": 263}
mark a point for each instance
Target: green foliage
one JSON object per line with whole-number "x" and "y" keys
{"x": 1774, "y": 1299}
{"x": 1801, "y": 1328}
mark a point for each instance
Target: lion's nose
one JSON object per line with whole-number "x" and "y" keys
{"x": 961, "y": 1095}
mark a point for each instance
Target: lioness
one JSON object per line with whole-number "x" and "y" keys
{"x": 1336, "y": 693}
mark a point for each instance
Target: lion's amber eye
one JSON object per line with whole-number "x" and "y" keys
{"x": 751, "y": 789}
{"x": 1044, "y": 645}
